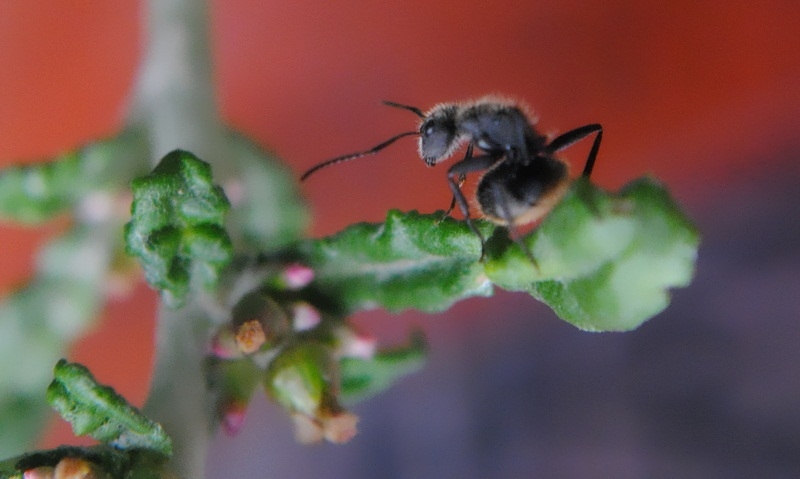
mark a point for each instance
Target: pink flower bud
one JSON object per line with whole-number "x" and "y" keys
{"x": 296, "y": 276}
{"x": 223, "y": 344}
{"x": 353, "y": 344}
{"x": 305, "y": 316}
{"x": 233, "y": 417}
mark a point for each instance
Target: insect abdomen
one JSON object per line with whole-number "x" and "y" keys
{"x": 513, "y": 193}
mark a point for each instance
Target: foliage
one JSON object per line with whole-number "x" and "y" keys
{"x": 133, "y": 445}
{"x": 101, "y": 413}
{"x": 74, "y": 272}
{"x": 604, "y": 262}
{"x": 176, "y": 228}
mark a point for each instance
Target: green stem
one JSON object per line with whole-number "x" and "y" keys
{"x": 174, "y": 95}
{"x": 174, "y": 101}
{"x": 178, "y": 399}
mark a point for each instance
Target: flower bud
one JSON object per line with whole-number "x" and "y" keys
{"x": 233, "y": 415}
{"x": 250, "y": 336}
{"x": 305, "y": 316}
{"x": 304, "y": 379}
{"x": 299, "y": 377}
{"x": 231, "y": 385}
{"x": 223, "y": 344}
{"x": 340, "y": 427}
{"x": 258, "y": 320}
{"x": 353, "y": 344}
{"x": 296, "y": 276}
{"x": 306, "y": 429}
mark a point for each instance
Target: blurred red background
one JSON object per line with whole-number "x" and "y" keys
{"x": 704, "y": 95}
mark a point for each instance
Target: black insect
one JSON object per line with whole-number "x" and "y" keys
{"x": 523, "y": 179}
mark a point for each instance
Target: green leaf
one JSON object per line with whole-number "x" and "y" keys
{"x": 38, "y": 321}
{"x": 604, "y": 262}
{"x": 176, "y": 230}
{"x": 271, "y": 213}
{"x": 364, "y": 378}
{"x": 410, "y": 261}
{"x": 100, "y": 412}
{"x": 37, "y": 192}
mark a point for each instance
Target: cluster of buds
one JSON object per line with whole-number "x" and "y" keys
{"x": 278, "y": 339}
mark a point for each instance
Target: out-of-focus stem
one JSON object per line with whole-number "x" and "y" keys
{"x": 178, "y": 398}
{"x": 174, "y": 102}
{"x": 174, "y": 93}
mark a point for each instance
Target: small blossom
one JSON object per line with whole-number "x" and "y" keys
{"x": 305, "y": 316}
{"x": 296, "y": 276}
{"x": 337, "y": 428}
{"x": 340, "y": 427}
{"x": 231, "y": 385}
{"x": 258, "y": 319}
{"x": 306, "y": 429}
{"x": 233, "y": 417}
{"x": 353, "y": 344}
{"x": 223, "y": 344}
{"x": 250, "y": 336}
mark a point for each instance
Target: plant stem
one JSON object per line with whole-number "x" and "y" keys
{"x": 178, "y": 399}
{"x": 174, "y": 102}
{"x": 174, "y": 93}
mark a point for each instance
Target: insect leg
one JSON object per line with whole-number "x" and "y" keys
{"x": 462, "y": 168}
{"x": 461, "y": 178}
{"x": 573, "y": 136}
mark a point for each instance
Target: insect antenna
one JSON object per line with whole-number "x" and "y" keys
{"x": 353, "y": 156}
{"x": 412, "y": 109}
